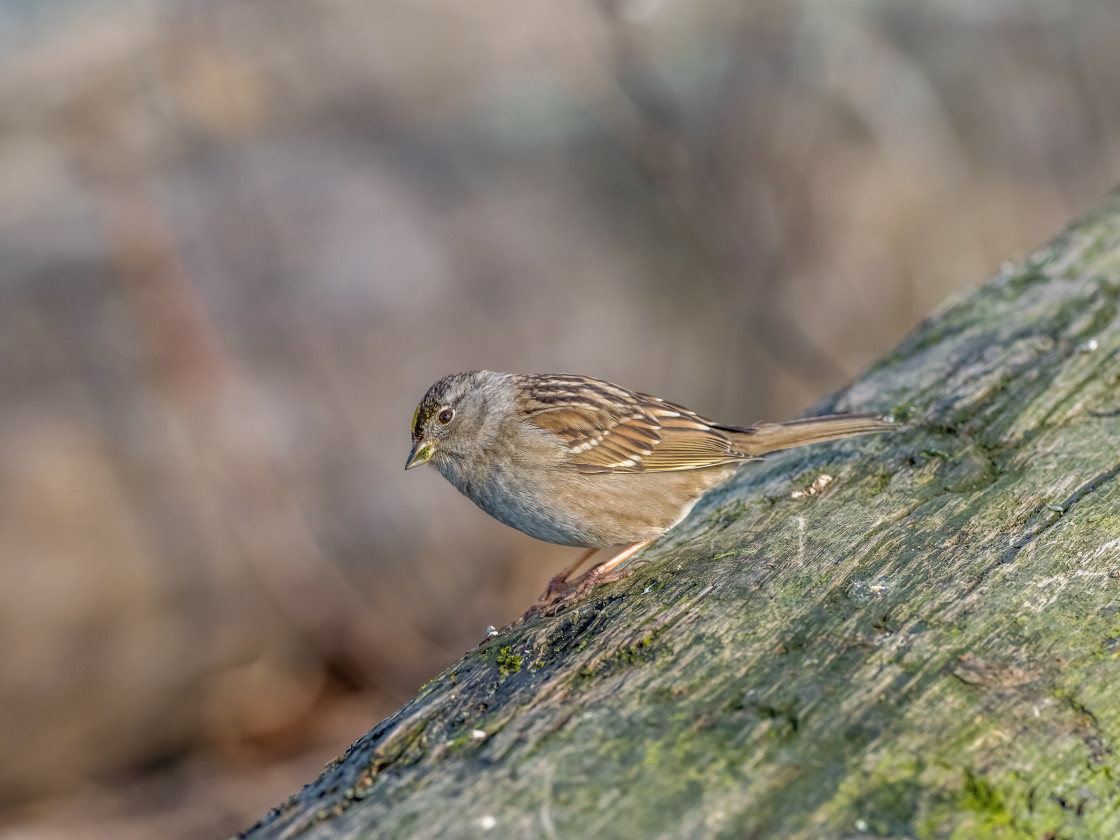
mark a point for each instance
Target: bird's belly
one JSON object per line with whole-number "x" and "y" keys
{"x": 595, "y": 510}
{"x": 544, "y": 519}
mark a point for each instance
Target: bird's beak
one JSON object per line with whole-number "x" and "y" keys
{"x": 422, "y": 452}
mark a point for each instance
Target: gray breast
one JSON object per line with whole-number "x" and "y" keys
{"x": 534, "y": 501}
{"x": 537, "y": 493}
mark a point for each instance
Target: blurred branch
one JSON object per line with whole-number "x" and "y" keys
{"x": 236, "y": 456}
{"x": 743, "y": 247}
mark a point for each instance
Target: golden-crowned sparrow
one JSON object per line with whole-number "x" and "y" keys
{"x": 577, "y": 461}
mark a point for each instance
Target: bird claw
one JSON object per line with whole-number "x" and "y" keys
{"x": 561, "y": 593}
{"x": 595, "y": 577}
{"x": 553, "y": 601}
{"x": 558, "y": 585}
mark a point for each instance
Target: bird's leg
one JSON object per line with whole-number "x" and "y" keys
{"x": 560, "y": 581}
{"x": 603, "y": 573}
{"x": 552, "y": 592}
{"x": 604, "y": 568}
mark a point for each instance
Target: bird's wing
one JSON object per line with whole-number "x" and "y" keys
{"x": 611, "y": 429}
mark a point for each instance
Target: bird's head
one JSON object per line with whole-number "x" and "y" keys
{"x": 452, "y": 418}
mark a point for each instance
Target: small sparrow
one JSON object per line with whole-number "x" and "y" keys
{"x": 577, "y": 461}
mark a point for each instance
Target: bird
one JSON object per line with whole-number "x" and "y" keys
{"x": 577, "y": 461}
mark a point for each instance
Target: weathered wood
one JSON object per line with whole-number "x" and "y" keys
{"x": 928, "y": 646}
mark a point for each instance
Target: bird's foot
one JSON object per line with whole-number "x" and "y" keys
{"x": 576, "y": 591}
{"x": 561, "y": 592}
{"x": 559, "y": 583}
{"x": 583, "y": 587}
{"x": 556, "y": 587}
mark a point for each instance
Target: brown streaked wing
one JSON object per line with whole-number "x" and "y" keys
{"x": 689, "y": 441}
{"x": 611, "y": 429}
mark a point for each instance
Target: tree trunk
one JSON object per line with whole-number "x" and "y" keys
{"x": 905, "y": 635}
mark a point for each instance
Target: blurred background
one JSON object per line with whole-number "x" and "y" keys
{"x": 239, "y": 239}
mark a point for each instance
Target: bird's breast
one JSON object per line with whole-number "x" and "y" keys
{"x": 560, "y": 505}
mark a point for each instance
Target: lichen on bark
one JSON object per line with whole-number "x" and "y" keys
{"x": 926, "y": 646}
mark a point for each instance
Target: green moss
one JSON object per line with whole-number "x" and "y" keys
{"x": 990, "y": 817}
{"x": 879, "y": 483}
{"x": 735, "y": 552}
{"x": 1030, "y": 273}
{"x": 979, "y": 797}
{"x": 887, "y": 805}
{"x": 508, "y": 662}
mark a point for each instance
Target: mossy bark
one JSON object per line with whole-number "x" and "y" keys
{"x": 927, "y": 646}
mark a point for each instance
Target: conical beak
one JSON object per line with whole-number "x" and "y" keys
{"x": 422, "y": 452}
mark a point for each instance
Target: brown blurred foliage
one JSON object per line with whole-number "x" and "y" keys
{"x": 239, "y": 239}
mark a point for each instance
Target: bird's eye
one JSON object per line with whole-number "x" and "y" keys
{"x": 446, "y": 416}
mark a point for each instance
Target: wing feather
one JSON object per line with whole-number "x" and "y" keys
{"x": 611, "y": 429}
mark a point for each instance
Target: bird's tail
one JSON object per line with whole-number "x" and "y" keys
{"x": 770, "y": 437}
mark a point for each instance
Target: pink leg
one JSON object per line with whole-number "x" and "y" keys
{"x": 559, "y": 581}
{"x": 603, "y": 572}
{"x": 620, "y": 558}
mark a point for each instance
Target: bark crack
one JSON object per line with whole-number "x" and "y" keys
{"x": 1033, "y": 534}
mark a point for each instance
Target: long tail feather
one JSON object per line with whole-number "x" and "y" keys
{"x": 770, "y": 437}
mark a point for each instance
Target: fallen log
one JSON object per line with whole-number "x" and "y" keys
{"x": 909, "y": 635}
